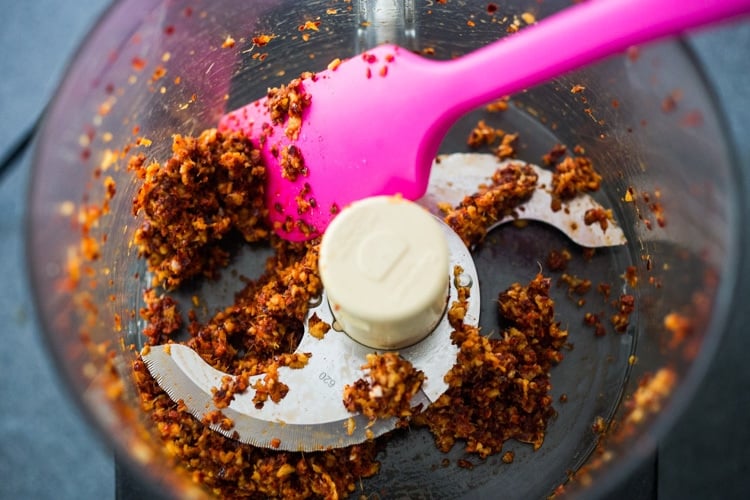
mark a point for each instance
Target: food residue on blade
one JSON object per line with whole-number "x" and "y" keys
{"x": 387, "y": 390}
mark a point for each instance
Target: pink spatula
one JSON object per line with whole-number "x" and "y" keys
{"x": 374, "y": 122}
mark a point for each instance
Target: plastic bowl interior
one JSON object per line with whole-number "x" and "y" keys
{"x": 647, "y": 120}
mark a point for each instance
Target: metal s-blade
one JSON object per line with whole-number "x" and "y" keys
{"x": 454, "y": 176}
{"x": 312, "y": 415}
{"x": 183, "y": 374}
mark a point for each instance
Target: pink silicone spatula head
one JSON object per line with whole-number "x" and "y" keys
{"x": 372, "y": 124}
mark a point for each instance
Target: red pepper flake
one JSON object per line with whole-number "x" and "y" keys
{"x": 577, "y": 89}
{"x": 169, "y": 30}
{"x": 558, "y": 260}
{"x": 621, "y": 319}
{"x": 310, "y": 25}
{"x": 383, "y": 71}
{"x": 482, "y": 135}
{"x": 262, "y": 40}
{"x": 90, "y": 133}
{"x": 369, "y": 58}
{"x": 158, "y": 73}
{"x": 389, "y": 57}
{"x": 188, "y": 11}
{"x": 670, "y": 102}
{"x": 633, "y": 53}
{"x": 658, "y": 210}
{"x": 599, "y": 425}
{"x": 576, "y": 285}
{"x": 647, "y": 260}
{"x": 631, "y": 276}
{"x": 138, "y": 63}
{"x": 303, "y": 205}
{"x": 554, "y": 155}
{"x": 110, "y": 188}
{"x": 598, "y": 215}
{"x": 692, "y": 119}
{"x": 491, "y": 8}
{"x": 507, "y": 149}
{"x": 593, "y": 320}
{"x": 292, "y": 163}
{"x": 305, "y": 228}
{"x": 679, "y": 326}
{"x": 499, "y": 105}
{"x": 462, "y": 462}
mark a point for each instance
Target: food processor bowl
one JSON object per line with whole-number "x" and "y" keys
{"x": 647, "y": 119}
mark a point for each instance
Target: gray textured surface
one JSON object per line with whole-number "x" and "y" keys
{"x": 706, "y": 455}
{"x": 47, "y": 451}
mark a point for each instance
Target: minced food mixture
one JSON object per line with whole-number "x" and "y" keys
{"x": 210, "y": 191}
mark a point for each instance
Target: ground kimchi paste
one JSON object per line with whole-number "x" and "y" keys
{"x": 212, "y": 190}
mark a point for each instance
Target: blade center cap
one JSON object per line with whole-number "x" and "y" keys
{"x": 379, "y": 253}
{"x": 384, "y": 263}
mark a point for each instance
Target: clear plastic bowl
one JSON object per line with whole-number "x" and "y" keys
{"x": 647, "y": 119}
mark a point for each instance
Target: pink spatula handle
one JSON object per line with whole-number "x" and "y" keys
{"x": 568, "y": 40}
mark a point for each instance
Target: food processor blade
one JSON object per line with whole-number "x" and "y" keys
{"x": 312, "y": 416}
{"x": 453, "y": 176}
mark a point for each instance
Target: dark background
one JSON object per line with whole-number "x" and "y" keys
{"x": 47, "y": 451}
